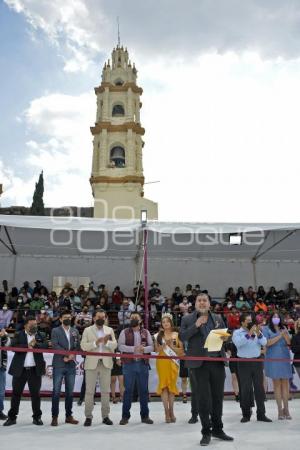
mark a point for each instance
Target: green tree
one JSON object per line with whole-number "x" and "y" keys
{"x": 37, "y": 207}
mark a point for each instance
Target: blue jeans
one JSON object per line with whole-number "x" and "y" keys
{"x": 2, "y": 387}
{"x": 68, "y": 374}
{"x": 136, "y": 371}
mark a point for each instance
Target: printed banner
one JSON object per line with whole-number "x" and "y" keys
{"x": 47, "y": 382}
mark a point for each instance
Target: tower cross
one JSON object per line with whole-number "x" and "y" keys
{"x": 119, "y": 39}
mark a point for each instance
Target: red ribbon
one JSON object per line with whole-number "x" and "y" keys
{"x": 143, "y": 356}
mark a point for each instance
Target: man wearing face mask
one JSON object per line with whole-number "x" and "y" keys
{"x": 27, "y": 368}
{"x": 98, "y": 338}
{"x": 249, "y": 340}
{"x": 64, "y": 337}
{"x": 135, "y": 340}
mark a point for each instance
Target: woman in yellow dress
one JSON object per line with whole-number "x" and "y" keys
{"x": 167, "y": 343}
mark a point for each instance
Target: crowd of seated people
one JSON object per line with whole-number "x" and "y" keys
{"x": 18, "y": 302}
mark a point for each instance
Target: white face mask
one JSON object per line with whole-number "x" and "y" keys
{"x": 5, "y": 308}
{"x": 43, "y": 311}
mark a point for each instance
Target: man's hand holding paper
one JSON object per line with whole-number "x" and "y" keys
{"x": 215, "y": 339}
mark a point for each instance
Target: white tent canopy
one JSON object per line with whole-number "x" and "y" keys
{"x": 178, "y": 252}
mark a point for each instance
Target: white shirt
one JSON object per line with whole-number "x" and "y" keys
{"x": 29, "y": 359}
{"x": 100, "y": 333}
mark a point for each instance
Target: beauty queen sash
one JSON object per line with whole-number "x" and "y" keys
{"x": 169, "y": 351}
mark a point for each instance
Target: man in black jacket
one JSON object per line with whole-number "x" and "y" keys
{"x": 4, "y": 342}
{"x": 27, "y": 367}
{"x": 207, "y": 377}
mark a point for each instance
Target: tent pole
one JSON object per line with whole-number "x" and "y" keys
{"x": 145, "y": 237}
{"x": 139, "y": 277}
{"x": 14, "y": 270}
{"x": 258, "y": 255}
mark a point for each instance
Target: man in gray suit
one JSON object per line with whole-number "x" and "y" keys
{"x": 207, "y": 377}
{"x": 98, "y": 338}
{"x": 67, "y": 338}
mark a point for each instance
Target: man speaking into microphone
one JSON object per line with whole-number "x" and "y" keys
{"x": 207, "y": 377}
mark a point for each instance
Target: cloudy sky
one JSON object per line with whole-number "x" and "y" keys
{"x": 221, "y": 101}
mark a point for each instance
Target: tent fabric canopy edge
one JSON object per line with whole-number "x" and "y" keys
{"x": 92, "y": 224}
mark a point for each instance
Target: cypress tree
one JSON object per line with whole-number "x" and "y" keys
{"x": 37, "y": 207}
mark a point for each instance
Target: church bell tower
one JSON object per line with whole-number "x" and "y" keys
{"x": 117, "y": 170}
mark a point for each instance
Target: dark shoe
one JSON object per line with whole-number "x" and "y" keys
{"x": 264, "y": 419}
{"x": 124, "y": 421}
{"x": 147, "y": 420}
{"x": 87, "y": 423}
{"x": 54, "y": 422}
{"x": 37, "y": 421}
{"x": 184, "y": 399}
{"x": 193, "y": 419}
{"x": 107, "y": 421}
{"x": 245, "y": 419}
{"x": 221, "y": 435}
{"x": 10, "y": 422}
{"x": 205, "y": 440}
{"x": 71, "y": 420}
{"x": 3, "y": 416}
{"x": 79, "y": 403}
{"x": 237, "y": 398}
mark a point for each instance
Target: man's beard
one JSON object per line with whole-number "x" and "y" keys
{"x": 203, "y": 310}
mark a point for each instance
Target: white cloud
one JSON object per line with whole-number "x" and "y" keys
{"x": 81, "y": 29}
{"x": 67, "y": 25}
{"x": 222, "y": 136}
{"x": 64, "y": 149}
{"x": 16, "y": 191}
{"x": 221, "y": 126}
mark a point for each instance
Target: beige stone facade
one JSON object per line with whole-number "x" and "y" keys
{"x": 117, "y": 169}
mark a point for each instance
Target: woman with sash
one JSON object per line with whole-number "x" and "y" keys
{"x": 167, "y": 343}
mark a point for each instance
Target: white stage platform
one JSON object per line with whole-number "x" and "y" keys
{"x": 160, "y": 436}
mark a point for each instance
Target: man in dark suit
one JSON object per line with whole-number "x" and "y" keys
{"x": 207, "y": 377}
{"x": 4, "y": 342}
{"x": 66, "y": 338}
{"x": 27, "y": 367}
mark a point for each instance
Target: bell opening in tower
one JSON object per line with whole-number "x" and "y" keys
{"x": 118, "y": 111}
{"x": 117, "y": 157}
